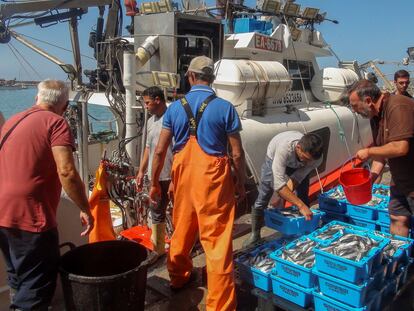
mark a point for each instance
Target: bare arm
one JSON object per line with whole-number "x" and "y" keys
{"x": 142, "y": 169}
{"x": 239, "y": 163}
{"x": 393, "y": 149}
{"x": 72, "y": 184}
{"x": 158, "y": 162}
{"x": 376, "y": 170}
{"x": 286, "y": 192}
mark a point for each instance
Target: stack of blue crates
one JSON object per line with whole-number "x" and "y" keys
{"x": 249, "y": 24}
{"x": 345, "y": 284}
{"x": 291, "y": 281}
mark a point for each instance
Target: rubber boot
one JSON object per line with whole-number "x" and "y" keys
{"x": 257, "y": 224}
{"x": 158, "y": 238}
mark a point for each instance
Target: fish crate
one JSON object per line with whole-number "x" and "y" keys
{"x": 365, "y": 211}
{"x": 328, "y": 201}
{"x": 383, "y": 227}
{"x": 391, "y": 287}
{"x": 299, "y": 295}
{"x": 379, "y": 276}
{"x": 383, "y": 215}
{"x": 349, "y": 270}
{"x": 345, "y": 292}
{"x": 251, "y": 274}
{"x": 331, "y": 216}
{"x": 320, "y": 236}
{"x": 291, "y": 271}
{"x": 324, "y": 303}
{"x": 292, "y": 225}
{"x": 381, "y": 190}
{"x": 364, "y": 223}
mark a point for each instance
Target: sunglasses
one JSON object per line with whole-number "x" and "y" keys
{"x": 404, "y": 82}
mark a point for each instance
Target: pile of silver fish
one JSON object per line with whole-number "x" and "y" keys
{"x": 290, "y": 212}
{"x": 301, "y": 254}
{"x": 391, "y": 248}
{"x": 374, "y": 201}
{"x": 261, "y": 260}
{"x": 351, "y": 246}
{"x": 330, "y": 232}
{"x": 337, "y": 194}
{"x": 381, "y": 191}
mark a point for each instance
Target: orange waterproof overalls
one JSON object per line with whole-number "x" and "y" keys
{"x": 204, "y": 202}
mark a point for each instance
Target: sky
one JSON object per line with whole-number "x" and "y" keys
{"x": 367, "y": 29}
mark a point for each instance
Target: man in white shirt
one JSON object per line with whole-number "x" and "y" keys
{"x": 154, "y": 102}
{"x": 290, "y": 157}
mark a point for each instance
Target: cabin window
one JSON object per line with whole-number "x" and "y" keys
{"x": 297, "y": 69}
{"x": 325, "y": 134}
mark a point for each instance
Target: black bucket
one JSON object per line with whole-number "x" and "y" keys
{"x": 110, "y": 275}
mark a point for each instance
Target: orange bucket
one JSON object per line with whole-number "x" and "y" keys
{"x": 357, "y": 185}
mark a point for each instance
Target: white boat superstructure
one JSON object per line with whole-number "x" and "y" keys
{"x": 266, "y": 65}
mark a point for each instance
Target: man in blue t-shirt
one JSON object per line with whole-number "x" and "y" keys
{"x": 203, "y": 127}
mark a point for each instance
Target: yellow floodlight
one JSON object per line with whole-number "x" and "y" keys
{"x": 291, "y": 9}
{"x": 271, "y": 6}
{"x": 165, "y": 79}
{"x": 310, "y": 13}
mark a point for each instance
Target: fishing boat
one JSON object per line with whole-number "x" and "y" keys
{"x": 265, "y": 65}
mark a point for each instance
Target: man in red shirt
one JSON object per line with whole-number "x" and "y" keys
{"x": 36, "y": 160}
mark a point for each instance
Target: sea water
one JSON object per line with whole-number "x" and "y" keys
{"x": 14, "y": 101}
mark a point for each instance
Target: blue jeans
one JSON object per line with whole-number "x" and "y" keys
{"x": 32, "y": 261}
{"x": 266, "y": 186}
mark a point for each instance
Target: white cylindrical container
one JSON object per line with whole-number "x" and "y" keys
{"x": 238, "y": 80}
{"x": 331, "y": 84}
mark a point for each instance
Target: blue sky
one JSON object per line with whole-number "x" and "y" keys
{"x": 367, "y": 29}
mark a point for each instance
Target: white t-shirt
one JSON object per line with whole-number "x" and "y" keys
{"x": 154, "y": 126}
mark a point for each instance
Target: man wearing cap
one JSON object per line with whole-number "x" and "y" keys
{"x": 203, "y": 126}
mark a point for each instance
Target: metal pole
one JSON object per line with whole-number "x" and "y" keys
{"x": 74, "y": 38}
{"x": 85, "y": 151}
{"x": 131, "y": 127}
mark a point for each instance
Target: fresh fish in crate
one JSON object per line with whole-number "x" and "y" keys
{"x": 337, "y": 194}
{"x": 374, "y": 201}
{"x": 261, "y": 260}
{"x": 330, "y": 232}
{"x": 381, "y": 191}
{"x": 391, "y": 248}
{"x": 301, "y": 254}
{"x": 351, "y": 246}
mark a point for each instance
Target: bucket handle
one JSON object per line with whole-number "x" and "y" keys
{"x": 68, "y": 244}
{"x": 365, "y": 164}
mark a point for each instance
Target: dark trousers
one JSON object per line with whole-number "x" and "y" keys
{"x": 158, "y": 210}
{"x": 32, "y": 263}
{"x": 266, "y": 187}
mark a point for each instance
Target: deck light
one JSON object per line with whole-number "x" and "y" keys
{"x": 291, "y": 9}
{"x": 310, "y": 13}
{"x": 270, "y": 6}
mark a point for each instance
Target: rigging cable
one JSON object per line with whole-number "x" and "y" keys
{"x": 21, "y": 64}
{"x": 27, "y": 62}
{"x": 51, "y": 44}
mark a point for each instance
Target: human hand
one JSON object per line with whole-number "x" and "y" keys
{"x": 171, "y": 191}
{"x": 88, "y": 221}
{"x": 363, "y": 154}
{"x": 155, "y": 193}
{"x": 139, "y": 181}
{"x": 277, "y": 202}
{"x": 305, "y": 211}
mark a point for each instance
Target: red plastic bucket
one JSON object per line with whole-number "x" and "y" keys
{"x": 357, "y": 185}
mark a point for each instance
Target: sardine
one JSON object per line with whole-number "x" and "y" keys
{"x": 301, "y": 254}
{"x": 381, "y": 191}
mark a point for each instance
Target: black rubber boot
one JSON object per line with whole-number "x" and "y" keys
{"x": 257, "y": 224}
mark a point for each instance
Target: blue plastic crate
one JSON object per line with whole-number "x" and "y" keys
{"x": 383, "y": 215}
{"x": 349, "y": 270}
{"x": 331, "y": 216}
{"x": 252, "y": 275}
{"x": 324, "y": 303}
{"x": 345, "y": 292}
{"x": 346, "y": 225}
{"x": 375, "y": 297}
{"x": 291, "y": 271}
{"x": 383, "y": 227}
{"x": 364, "y": 223}
{"x": 379, "y": 276}
{"x": 326, "y": 203}
{"x": 287, "y": 290}
{"x": 391, "y": 288}
{"x": 292, "y": 225}
{"x": 246, "y": 24}
{"x": 362, "y": 211}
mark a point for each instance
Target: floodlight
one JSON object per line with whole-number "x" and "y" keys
{"x": 271, "y": 6}
{"x": 291, "y": 9}
{"x": 165, "y": 79}
{"x": 310, "y": 13}
{"x": 410, "y": 52}
{"x": 149, "y": 8}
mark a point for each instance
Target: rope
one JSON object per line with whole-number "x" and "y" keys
{"x": 56, "y": 46}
